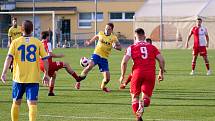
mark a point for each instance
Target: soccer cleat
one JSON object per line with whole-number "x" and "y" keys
{"x": 105, "y": 89}
{"x": 139, "y": 119}
{"x": 51, "y": 94}
{"x": 209, "y": 72}
{"x": 192, "y": 72}
{"x": 122, "y": 86}
{"x": 77, "y": 85}
{"x": 81, "y": 78}
{"x": 140, "y": 110}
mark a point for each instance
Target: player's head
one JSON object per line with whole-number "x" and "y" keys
{"x": 44, "y": 35}
{"x": 14, "y": 21}
{"x": 109, "y": 28}
{"x": 139, "y": 34}
{"x": 149, "y": 40}
{"x": 27, "y": 27}
{"x": 198, "y": 21}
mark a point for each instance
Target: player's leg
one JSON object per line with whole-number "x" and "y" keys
{"x": 105, "y": 81}
{"x": 92, "y": 63}
{"x": 17, "y": 92}
{"x": 31, "y": 96}
{"x": 51, "y": 85}
{"x": 195, "y": 55}
{"x": 207, "y": 64}
{"x": 70, "y": 71}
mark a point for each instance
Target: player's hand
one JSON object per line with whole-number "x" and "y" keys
{"x": 87, "y": 43}
{"x": 186, "y": 45}
{"x": 160, "y": 77}
{"x": 3, "y": 78}
{"x": 121, "y": 79}
{"x": 46, "y": 80}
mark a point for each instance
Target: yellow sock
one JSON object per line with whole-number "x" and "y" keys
{"x": 32, "y": 112}
{"x": 14, "y": 112}
{"x": 83, "y": 74}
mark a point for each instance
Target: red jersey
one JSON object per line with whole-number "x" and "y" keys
{"x": 199, "y": 36}
{"x": 48, "y": 49}
{"x": 143, "y": 55}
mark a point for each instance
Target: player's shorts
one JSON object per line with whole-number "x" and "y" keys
{"x": 102, "y": 62}
{"x": 31, "y": 90}
{"x": 54, "y": 66}
{"x": 142, "y": 81}
{"x": 200, "y": 50}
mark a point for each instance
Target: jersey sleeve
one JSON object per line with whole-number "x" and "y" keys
{"x": 11, "y": 51}
{"x": 42, "y": 52}
{"x": 49, "y": 47}
{"x": 156, "y": 51}
{"x": 9, "y": 32}
{"x": 128, "y": 51}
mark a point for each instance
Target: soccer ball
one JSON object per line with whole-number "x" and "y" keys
{"x": 84, "y": 61}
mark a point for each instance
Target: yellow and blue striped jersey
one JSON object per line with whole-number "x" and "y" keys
{"x": 26, "y": 52}
{"x": 104, "y": 45}
{"x": 15, "y": 33}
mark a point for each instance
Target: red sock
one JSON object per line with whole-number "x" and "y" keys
{"x": 135, "y": 105}
{"x": 207, "y": 65}
{"x": 75, "y": 75}
{"x": 51, "y": 89}
{"x": 193, "y": 65}
{"x": 128, "y": 79}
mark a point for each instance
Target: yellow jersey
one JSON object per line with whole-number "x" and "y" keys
{"x": 14, "y": 33}
{"x": 26, "y": 52}
{"x": 104, "y": 45}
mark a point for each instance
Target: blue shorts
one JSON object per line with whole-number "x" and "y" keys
{"x": 31, "y": 90}
{"x": 102, "y": 62}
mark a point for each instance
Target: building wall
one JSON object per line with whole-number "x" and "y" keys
{"x": 124, "y": 27}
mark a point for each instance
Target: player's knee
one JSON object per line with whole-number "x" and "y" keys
{"x": 147, "y": 101}
{"x": 17, "y": 102}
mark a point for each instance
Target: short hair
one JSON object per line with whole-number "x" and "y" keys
{"x": 149, "y": 40}
{"x": 111, "y": 25}
{"x": 44, "y": 34}
{"x": 27, "y": 26}
{"x": 199, "y": 19}
{"x": 140, "y": 31}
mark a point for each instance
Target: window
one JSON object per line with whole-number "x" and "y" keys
{"x": 121, "y": 16}
{"x": 86, "y": 18}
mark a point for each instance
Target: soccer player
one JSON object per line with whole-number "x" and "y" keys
{"x": 143, "y": 71}
{"x": 14, "y": 32}
{"x": 26, "y": 52}
{"x": 54, "y": 66}
{"x": 124, "y": 84}
{"x": 106, "y": 41}
{"x": 201, "y": 41}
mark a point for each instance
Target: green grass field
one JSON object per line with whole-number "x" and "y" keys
{"x": 180, "y": 97}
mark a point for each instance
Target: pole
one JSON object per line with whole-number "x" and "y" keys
{"x": 161, "y": 24}
{"x": 53, "y": 30}
{"x": 96, "y": 9}
{"x": 33, "y": 18}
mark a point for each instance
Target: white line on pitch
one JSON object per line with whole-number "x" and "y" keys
{"x": 105, "y": 118}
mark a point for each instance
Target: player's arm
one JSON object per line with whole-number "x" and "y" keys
{"x": 5, "y": 68}
{"x": 117, "y": 46}
{"x": 9, "y": 38}
{"x": 161, "y": 62}
{"x": 88, "y": 42}
{"x": 207, "y": 38}
{"x": 188, "y": 38}
{"x": 124, "y": 64}
{"x": 51, "y": 54}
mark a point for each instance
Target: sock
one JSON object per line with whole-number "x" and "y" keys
{"x": 75, "y": 76}
{"x": 32, "y": 112}
{"x": 135, "y": 105}
{"x": 146, "y": 102}
{"x": 193, "y": 65}
{"x": 207, "y": 65}
{"x": 51, "y": 89}
{"x": 128, "y": 79}
{"x": 15, "y": 112}
{"x": 83, "y": 74}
